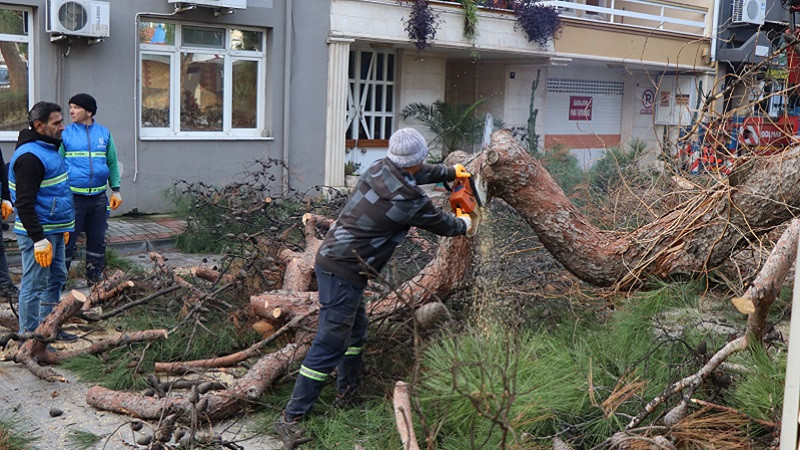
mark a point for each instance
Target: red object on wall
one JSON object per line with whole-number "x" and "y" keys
{"x": 580, "y": 107}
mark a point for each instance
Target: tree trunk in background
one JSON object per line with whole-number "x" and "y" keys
{"x": 17, "y": 67}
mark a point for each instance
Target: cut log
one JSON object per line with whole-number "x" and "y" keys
{"x": 282, "y": 305}
{"x": 300, "y": 265}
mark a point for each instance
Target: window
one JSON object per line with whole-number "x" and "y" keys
{"x": 15, "y": 79}
{"x": 199, "y": 80}
{"x": 370, "y": 98}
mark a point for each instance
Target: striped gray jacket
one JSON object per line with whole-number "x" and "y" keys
{"x": 387, "y": 201}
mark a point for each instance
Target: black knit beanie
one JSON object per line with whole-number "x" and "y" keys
{"x": 85, "y": 101}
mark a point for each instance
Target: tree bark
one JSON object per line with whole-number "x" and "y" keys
{"x": 702, "y": 234}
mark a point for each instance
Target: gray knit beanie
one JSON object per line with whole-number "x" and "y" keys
{"x": 407, "y": 148}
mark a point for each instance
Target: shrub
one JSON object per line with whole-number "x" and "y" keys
{"x": 563, "y": 167}
{"x": 616, "y": 163}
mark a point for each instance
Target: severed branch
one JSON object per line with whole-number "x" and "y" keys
{"x": 402, "y": 416}
{"x": 123, "y": 308}
{"x": 105, "y": 344}
{"x": 767, "y": 284}
{"x": 234, "y": 358}
{"x": 33, "y": 351}
{"x": 758, "y": 298}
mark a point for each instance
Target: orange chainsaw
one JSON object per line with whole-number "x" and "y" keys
{"x": 464, "y": 198}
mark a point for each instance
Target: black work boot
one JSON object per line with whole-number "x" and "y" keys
{"x": 291, "y": 432}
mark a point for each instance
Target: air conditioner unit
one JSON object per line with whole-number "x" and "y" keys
{"x": 85, "y": 18}
{"x": 749, "y": 11}
{"x": 216, "y": 4}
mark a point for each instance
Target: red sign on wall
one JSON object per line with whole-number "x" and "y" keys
{"x": 580, "y": 107}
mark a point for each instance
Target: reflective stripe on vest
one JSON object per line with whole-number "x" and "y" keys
{"x": 69, "y": 226}
{"x": 84, "y": 154}
{"x": 87, "y": 191}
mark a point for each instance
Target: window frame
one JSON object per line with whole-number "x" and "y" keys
{"x": 355, "y": 108}
{"x": 173, "y": 132}
{"x": 12, "y": 135}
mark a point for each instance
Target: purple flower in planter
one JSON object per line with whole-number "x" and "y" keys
{"x": 421, "y": 25}
{"x": 540, "y": 23}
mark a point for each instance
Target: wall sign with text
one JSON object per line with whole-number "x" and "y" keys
{"x": 580, "y": 107}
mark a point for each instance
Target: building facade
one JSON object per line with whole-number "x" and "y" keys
{"x": 189, "y": 92}
{"x": 193, "y": 92}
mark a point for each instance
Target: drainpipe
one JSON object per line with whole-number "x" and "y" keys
{"x": 137, "y": 64}
{"x": 714, "y": 25}
{"x": 287, "y": 78}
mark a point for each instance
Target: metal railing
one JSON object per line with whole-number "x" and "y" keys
{"x": 657, "y": 15}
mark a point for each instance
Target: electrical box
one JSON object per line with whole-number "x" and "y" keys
{"x": 79, "y": 18}
{"x": 216, "y": 4}
{"x": 676, "y": 100}
{"x": 749, "y": 11}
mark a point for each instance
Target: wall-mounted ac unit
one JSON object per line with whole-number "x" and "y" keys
{"x": 86, "y": 18}
{"x": 217, "y": 4}
{"x": 749, "y": 11}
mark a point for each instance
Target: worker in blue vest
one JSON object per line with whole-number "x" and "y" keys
{"x": 40, "y": 192}
{"x": 91, "y": 157}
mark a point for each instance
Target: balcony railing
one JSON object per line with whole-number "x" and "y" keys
{"x": 644, "y": 14}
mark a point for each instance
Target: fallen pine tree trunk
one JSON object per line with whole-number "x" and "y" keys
{"x": 702, "y": 234}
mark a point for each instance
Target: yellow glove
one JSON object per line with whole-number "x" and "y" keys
{"x": 6, "y": 209}
{"x": 461, "y": 172}
{"x": 115, "y": 201}
{"x": 66, "y": 237}
{"x": 43, "y": 252}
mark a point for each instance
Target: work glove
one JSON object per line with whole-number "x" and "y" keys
{"x": 43, "y": 252}
{"x": 6, "y": 209}
{"x": 467, "y": 221}
{"x": 116, "y": 200}
{"x": 66, "y": 237}
{"x": 461, "y": 172}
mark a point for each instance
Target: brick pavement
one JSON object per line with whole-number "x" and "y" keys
{"x": 123, "y": 230}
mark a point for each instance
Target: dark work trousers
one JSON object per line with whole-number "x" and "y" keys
{"x": 339, "y": 342}
{"x": 91, "y": 217}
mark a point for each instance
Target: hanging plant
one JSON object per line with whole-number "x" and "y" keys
{"x": 540, "y": 23}
{"x": 422, "y": 24}
{"x": 470, "y": 19}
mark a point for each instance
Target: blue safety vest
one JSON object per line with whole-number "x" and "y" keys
{"x": 85, "y": 148}
{"x": 54, "y": 200}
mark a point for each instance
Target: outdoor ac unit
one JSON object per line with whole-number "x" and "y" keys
{"x": 749, "y": 11}
{"x": 86, "y": 18}
{"x": 217, "y": 4}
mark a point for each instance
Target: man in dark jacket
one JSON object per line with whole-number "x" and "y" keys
{"x": 387, "y": 201}
{"x": 45, "y": 216}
